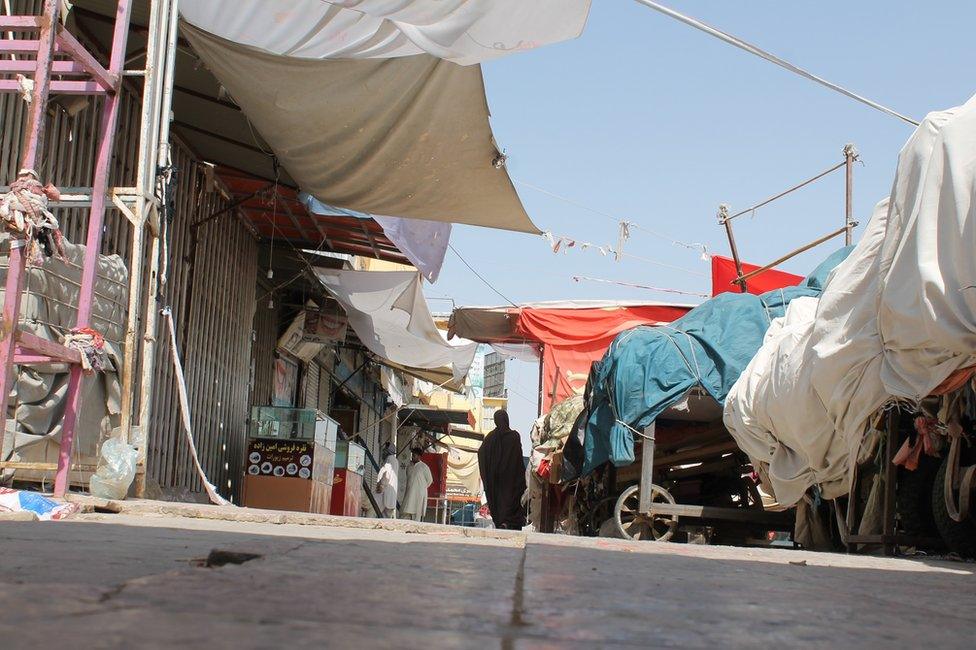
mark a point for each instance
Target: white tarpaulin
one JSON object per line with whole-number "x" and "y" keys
{"x": 895, "y": 319}
{"x": 388, "y": 312}
{"x": 461, "y": 31}
{"x": 423, "y": 242}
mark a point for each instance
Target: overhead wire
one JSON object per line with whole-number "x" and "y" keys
{"x": 481, "y": 277}
{"x": 772, "y": 58}
{"x": 577, "y": 278}
{"x": 615, "y": 219}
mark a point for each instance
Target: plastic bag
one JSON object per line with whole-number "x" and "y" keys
{"x": 116, "y": 469}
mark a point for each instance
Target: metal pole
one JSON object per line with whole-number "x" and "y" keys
{"x": 145, "y": 177}
{"x": 850, "y": 155}
{"x": 93, "y": 243}
{"x": 152, "y": 306}
{"x": 647, "y": 469}
{"x": 17, "y": 263}
{"x": 794, "y": 253}
{"x": 541, "y": 381}
{"x": 725, "y": 220}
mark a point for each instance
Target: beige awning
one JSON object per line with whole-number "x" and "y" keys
{"x": 407, "y": 136}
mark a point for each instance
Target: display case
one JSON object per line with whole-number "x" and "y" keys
{"x": 347, "y": 486}
{"x": 290, "y": 460}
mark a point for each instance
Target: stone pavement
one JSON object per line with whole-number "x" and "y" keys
{"x": 140, "y": 579}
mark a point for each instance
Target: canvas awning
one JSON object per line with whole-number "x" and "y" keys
{"x": 430, "y": 416}
{"x": 573, "y": 334}
{"x": 423, "y": 242}
{"x": 406, "y": 137}
{"x": 461, "y": 31}
{"x": 388, "y": 312}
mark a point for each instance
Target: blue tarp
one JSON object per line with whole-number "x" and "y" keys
{"x": 650, "y": 368}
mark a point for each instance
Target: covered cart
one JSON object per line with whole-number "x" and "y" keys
{"x": 869, "y": 400}
{"x": 656, "y": 395}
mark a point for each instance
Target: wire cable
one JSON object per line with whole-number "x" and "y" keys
{"x": 481, "y": 277}
{"x": 577, "y": 278}
{"x": 637, "y": 226}
{"x": 772, "y": 58}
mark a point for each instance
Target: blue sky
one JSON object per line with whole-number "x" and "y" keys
{"x": 652, "y": 121}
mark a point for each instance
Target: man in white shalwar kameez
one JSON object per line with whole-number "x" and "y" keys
{"x": 387, "y": 485}
{"x": 414, "y": 504}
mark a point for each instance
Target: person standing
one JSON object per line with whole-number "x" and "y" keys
{"x": 387, "y": 484}
{"x": 419, "y": 479}
{"x": 503, "y": 474}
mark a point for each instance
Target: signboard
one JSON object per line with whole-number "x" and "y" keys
{"x": 494, "y": 375}
{"x": 280, "y": 458}
{"x": 476, "y": 373}
{"x": 324, "y": 326}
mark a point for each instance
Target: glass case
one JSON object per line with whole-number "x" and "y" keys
{"x": 286, "y": 423}
{"x": 351, "y": 456}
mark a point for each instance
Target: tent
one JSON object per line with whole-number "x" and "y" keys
{"x": 573, "y": 334}
{"x": 648, "y": 369}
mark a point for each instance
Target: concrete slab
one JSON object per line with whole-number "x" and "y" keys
{"x": 129, "y": 580}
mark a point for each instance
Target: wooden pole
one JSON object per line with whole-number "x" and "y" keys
{"x": 725, "y": 220}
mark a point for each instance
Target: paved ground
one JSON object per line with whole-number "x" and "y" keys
{"x": 139, "y": 580}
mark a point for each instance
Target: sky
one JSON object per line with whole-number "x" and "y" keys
{"x": 648, "y": 120}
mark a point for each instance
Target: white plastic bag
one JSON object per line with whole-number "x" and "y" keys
{"x": 116, "y": 469}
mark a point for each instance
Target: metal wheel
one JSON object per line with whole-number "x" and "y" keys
{"x": 633, "y": 524}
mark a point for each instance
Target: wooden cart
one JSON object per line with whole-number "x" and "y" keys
{"x": 648, "y": 510}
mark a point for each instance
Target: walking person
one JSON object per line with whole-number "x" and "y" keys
{"x": 387, "y": 484}
{"x": 419, "y": 479}
{"x": 503, "y": 474}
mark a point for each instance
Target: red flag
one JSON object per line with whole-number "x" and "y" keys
{"x": 723, "y": 273}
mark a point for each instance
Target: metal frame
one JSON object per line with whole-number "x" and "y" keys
{"x": 848, "y": 519}
{"x": 725, "y": 219}
{"x": 138, "y": 204}
{"x": 648, "y": 507}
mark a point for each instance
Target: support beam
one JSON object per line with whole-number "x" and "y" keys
{"x": 791, "y": 254}
{"x": 850, "y": 155}
{"x": 68, "y": 44}
{"x": 726, "y": 220}
{"x": 647, "y": 468}
{"x": 103, "y": 158}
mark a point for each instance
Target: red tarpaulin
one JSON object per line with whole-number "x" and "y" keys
{"x": 574, "y": 338}
{"x": 723, "y": 273}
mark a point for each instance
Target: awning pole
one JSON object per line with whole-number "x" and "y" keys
{"x": 725, "y": 220}
{"x": 541, "y": 382}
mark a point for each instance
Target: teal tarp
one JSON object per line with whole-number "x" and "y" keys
{"x": 650, "y": 368}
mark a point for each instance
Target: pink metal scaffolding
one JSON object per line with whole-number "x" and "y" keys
{"x": 62, "y": 65}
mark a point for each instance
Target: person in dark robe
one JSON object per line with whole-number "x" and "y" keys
{"x": 503, "y": 474}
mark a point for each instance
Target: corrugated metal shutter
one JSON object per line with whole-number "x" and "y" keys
{"x": 310, "y": 399}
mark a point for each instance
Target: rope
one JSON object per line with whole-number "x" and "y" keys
{"x": 752, "y": 49}
{"x": 91, "y": 345}
{"x": 24, "y": 212}
{"x": 696, "y": 369}
{"x": 185, "y": 412}
{"x": 577, "y": 278}
{"x": 616, "y": 416}
{"x": 677, "y": 242}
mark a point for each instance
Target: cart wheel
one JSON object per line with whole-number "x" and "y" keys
{"x": 633, "y": 524}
